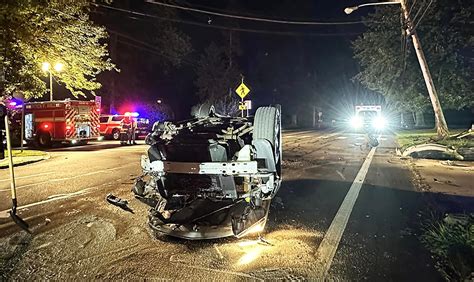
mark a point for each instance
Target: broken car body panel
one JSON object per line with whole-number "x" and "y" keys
{"x": 213, "y": 176}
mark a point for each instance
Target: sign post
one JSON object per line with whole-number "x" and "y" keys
{"x": 248, "y": 106}
{"x": 242, "y": 90}
{"x": 22, "y": 127}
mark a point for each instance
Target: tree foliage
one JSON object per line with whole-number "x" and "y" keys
{"x": 217, "y": 79}
{"x": 389, "y": 64}
{"x": 51, "y": 31}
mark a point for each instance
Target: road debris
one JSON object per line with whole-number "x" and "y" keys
{"x": 448, "y": 182}
{"x": 116, "y": 201}
{"x": 341, "y": 175}
{"x": 264, "y": 241}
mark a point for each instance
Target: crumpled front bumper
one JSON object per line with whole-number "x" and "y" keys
{"x": 202, "y": 233}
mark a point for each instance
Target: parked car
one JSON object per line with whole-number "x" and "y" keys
{"x": 143, "y": 128}
{"x": 110, "y": 126}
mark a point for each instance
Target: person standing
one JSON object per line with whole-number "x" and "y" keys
{"x": 126, "y": 130}
{"x": 133, "y": 131}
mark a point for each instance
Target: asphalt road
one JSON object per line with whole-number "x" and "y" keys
{"x": 344, "y": 212}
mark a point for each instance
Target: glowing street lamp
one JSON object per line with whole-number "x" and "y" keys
{"x": 349, "y": 10}
{"x": 58, "y": 67}
{"x": 46, "y": 67}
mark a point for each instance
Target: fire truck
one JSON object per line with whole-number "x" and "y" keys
{"x": 66, "y": 121}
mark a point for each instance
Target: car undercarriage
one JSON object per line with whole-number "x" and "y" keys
{"x": 212, "y": 176}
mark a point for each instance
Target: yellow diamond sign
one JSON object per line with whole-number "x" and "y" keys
{"x": 242, "y": 90}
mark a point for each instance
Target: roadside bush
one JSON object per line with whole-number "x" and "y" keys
{"x": 451, "y": 241}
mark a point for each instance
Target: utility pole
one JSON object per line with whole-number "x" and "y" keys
{"x": 50, "y": 86}
{"x": 230, "y": 66}
{"x": 441, "y": 125}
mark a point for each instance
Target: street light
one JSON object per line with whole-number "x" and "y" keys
{"x": 349, "y": 10}
{"x": 58, "y": 67}
{"x": 441, "y": 125}
{"x": 46, "y": 67}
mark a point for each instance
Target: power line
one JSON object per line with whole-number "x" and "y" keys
{"x": 149, "y": 46}
{"x": 252, "y": 18}
{"x": 417, "y": 13}
{"x": 411, "y": 8}
{"x": 214, "y": 9}
{"x": 152, "y": 51}
{"x": 260, "y": 31}
{"x": 426, "y": 10}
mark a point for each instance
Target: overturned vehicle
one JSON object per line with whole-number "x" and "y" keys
{"x": 213, "y": 176}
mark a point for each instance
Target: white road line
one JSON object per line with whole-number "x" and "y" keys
{"x": 5, "y": 214}
{"x": 299, "y": 132}
{"x": 297, "y": 136}
{"x": 342, "y": 137}
{"x": 66, "y": 178}
{"x": 327, "y": 248}
{"x": 329, "y": 135}
{"x": 28, "y": 176}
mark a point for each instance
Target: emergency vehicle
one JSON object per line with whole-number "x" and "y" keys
{"x": 110, "y": 126}
{"x": 143, "y": 128}
{"x": 66, "y": 121}
{"x": 368, "y": 117}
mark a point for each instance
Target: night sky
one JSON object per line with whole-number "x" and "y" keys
{"x": 290, "y": 69}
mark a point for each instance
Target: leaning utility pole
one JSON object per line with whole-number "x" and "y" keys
{"x": 441, "y": 125}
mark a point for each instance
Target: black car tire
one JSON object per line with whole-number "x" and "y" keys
{"x": 43, "y": 139}
{"x": 115, "y": 134}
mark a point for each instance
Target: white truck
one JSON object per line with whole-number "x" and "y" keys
{"x": 368, "y": 118}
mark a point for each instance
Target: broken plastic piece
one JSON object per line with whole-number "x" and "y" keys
{"x": 116, "y": 201}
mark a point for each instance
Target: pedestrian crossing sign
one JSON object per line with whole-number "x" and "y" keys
{"x": 242, "y": 90}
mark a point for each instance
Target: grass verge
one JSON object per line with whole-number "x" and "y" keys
{"x": 451, "y": 241}
{"x": 26, "y": 153}
{"x": 408, "y": 138}
{"x": 23, "y": 157}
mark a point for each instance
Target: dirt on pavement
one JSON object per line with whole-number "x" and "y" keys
{"x": 447, "y": 177}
